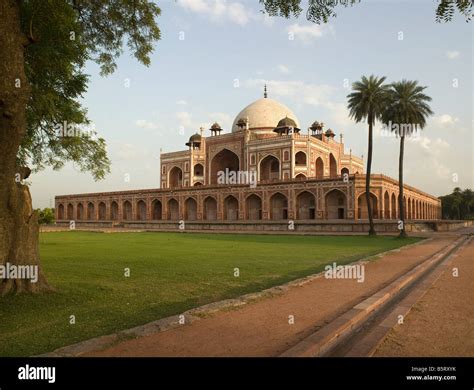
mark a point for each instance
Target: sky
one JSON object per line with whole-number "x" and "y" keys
{"x": 215, "y": 56}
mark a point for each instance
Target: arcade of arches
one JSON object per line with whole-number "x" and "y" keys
{"x": 299, "y": 200}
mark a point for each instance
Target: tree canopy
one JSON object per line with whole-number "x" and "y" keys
{"x": 407, "y": 106}
{"x": 458, "y": 205}
{"x": 45, "y": 45}
{"x": 60, "y": 37}
{"x": 320, "y": 11}
{"x": 45, "y": 216}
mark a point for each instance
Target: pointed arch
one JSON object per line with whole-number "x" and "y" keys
{"x": 336, "y": 204}
{"x": 210, "y": 209}
{"x": 80, "y": 211}
{"x": 141, "y": 210}
{"x": 305, "y": 205}
{"x": 278, "y": 206}
{"x": 405, "y": 207}
{"x": 198, "y": 170}
{"x": 253, "y": 207}
{"x": 90, "y": 211}
{"x": 386, "y": 205}
{"x": 362, "y": 211}
{"x": 225, "y": 159}
{"x": 70, "y": 211}
{"x": 61, "y": 211}
{"x": 319, "y": 168}
{"x": 175, "y": 177}
{"x": 269, "y": 169}
{"x": 332, "y": 166}
{"x": 127, "y": 210}
{"x": 190, "y": 209}
{"x": 301, "y": 176}
{"x": 173, "y": 210}
{"x": 156, "y": 210}
{"x": 102, "y": 211}
{"x": 394, "y": 206}
{"x": 114, "y": 211}
{"x": 300, "y": 158}
{"x": 231, "y": 208}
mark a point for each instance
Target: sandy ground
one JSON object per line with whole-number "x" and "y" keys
{"x": 264, "y": 328}
{"x": 442, "y": 322}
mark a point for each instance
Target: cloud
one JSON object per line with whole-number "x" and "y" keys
{"x": 220, "y": 10}
{"x": 182, "y": 102}
{"x": 452, "y": 54}
{"x": 308, "y": 33}
{"x": 339, "y": 116}
{"x": 127, "y": 152}
{"x": 145, "y": 124}
{"x": 283, "y": 69}
{"x": 445, "y": 120}
{"x": 317, "y": 95}
{"x": 268, "y": 20}
{"x": 238, "y": 13}
{"x": 431, "y": 154}
{"x": 200, "y": 6}
{"x": 435, "y": 147}
{"x": 312, "y": 94}
{"x": 184, "y": 119}
{"x": 225, "y": 120}
{"x": 189, "y": 125}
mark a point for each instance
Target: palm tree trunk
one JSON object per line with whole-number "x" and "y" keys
{"x": 401, "y": 205}
{"x": 367, "y": 179}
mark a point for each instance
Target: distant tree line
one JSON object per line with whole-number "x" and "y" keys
{"x": 45, "y": 216}
{"x": 458, "y": 205}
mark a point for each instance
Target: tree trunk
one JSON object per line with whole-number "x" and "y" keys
{"x": 19, "y": 232}
{"x": 367, "y": 179}
{"x": 401, "y": 206}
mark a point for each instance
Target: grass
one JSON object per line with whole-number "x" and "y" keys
{"x": 169, "y": 274}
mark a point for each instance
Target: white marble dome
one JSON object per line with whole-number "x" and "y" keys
{"x": 263, "y": 115}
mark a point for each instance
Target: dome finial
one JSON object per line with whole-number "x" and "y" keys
{"x": 265, "y": 95}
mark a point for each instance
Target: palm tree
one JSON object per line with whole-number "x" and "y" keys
{"x": 406, "y": 111}
{"x": 367, "y": 102}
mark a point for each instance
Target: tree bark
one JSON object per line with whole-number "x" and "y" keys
{"x": 367, "y": 179}
{"x": 19, "y": 231}
{"x": 401, "y": 205}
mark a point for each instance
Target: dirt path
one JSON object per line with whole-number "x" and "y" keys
{"x": 264, "y": 328}
{"x": 442, "y": 322}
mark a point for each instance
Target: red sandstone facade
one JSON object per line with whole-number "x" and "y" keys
{"x": 306, "y": 177}
{"x": 313, "y": 199}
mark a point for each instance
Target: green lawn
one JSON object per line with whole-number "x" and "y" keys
{"x": 170, "y": 273}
